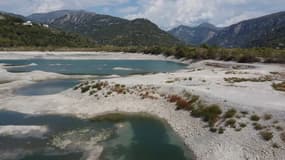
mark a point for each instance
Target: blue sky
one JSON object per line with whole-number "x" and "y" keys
{"x": 166, "y": 13}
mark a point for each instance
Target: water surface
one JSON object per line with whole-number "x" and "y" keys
{"x": 93, "y": 67}
{"x": 129, "y": 138}
{"x": 46, "y": 87}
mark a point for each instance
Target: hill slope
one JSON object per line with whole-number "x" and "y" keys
{"x": 266, "y": 31}
{"x": 106, "y": 29}
{"x": 195, "y": 35}
{"x": 14, "y": 34}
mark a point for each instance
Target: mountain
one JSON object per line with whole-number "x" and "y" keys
{"x": 105, "y": 29}
{"x": 266, "y": 31}
{"x": 15, "y": 33}
{"x": 195, "y": 35}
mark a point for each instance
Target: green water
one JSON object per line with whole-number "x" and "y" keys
{"x": 93, "y": 67}
{"x": 46, "y": 87}
{"x": 125, "y": 138}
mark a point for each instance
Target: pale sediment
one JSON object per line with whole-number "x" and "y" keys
{"x": 23, "y": 131}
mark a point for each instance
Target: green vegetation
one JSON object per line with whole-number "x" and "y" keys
{"x": 266, "y": 135}
{"x": 267, "y": 117}
{"x": 214, "y": 130}
{"x": 230, "y": 113}
{"x": 279, "y": 86}
{"x": 210, "y": 114}
{"x": 254, "y": 118}
{"x": 237, "y": 79}
{"x": 244, "y": 112}
{"x": 258, "y": 126}
{"x": 282, "y": 136}
{"x": 14, "y": 34}
{"x": 275, "y": 145}
{"x": 221, "y": 130}
{"x": 231, "y": 123}
{"x": 242, "y": 125}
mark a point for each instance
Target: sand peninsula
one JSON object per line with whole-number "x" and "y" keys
{"x": 222, "y": 110}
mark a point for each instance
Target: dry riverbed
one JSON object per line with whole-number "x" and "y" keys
{"x": 222, "y": 110}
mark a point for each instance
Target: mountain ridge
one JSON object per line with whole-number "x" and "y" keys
{"x": 194, "y": 35}
{"x": 264, "y": 31}
{"x": 105, "y": 29}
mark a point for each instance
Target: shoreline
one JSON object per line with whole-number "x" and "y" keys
{"x": 204, "y": 144}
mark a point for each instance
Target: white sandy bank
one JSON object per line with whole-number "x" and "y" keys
{"x": 23, "y": 131}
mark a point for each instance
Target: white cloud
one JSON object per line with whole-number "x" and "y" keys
{"x": 240, "y": 17}
{"x": 47, "y": 5}
{"x": 165, "y": 13}
{"x": 128, "y": 10}
{"x": 35, "y": 6}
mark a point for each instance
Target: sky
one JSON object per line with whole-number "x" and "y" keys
{"x": 165, "y": 13}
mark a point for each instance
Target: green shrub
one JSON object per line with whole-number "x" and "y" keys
{"x": 266, "y": 135}
{"x": 242, "y": 125}
{"x": 231, "y": 123}
{"x": 244, "y": 112}
{"x": 275, "y": 145}
{"x": 194, "y": 99}
{"x": 279, "y": 128}
{"x": 209, "y": 114}
{"x": 279, "y": 86}
{"x": 258, "y": 126}
{"x": 230, "y": 113}
{"x": 221, "y": 130}
{"x": 267, "y": 117}
{"x": 238, "y": 129}
{"x": 282, "y": 136}
{"x": 214, "y": 130}
{"x": 254, "y": 118}
{"x": 85, "y": 89}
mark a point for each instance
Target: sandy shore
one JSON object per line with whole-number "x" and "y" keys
{"x": 205, "y": 78}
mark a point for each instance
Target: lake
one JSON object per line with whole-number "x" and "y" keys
{"x": 125, "y": 137}
{"x": 93, "y": 67}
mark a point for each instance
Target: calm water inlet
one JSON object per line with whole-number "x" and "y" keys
{"x": 69, "y": 138}
{"x": 46, "y": 87}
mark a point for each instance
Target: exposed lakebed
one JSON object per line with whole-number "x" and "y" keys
{"x": 124, "y": 137}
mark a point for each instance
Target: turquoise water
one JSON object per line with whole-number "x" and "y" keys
{"x": 130, "y": 138}
{"x": 93, "y": 67}
{"x": 46, "y": 87}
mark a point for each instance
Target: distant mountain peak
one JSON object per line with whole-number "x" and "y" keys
{"x": 207, "y": 25}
